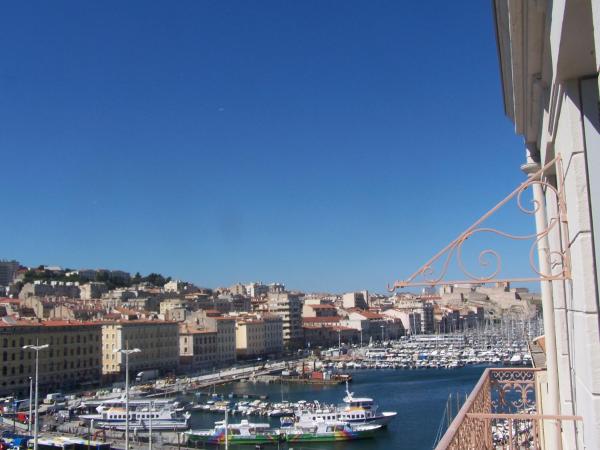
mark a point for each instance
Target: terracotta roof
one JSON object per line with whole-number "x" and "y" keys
{"x": 112, "y": 316}
{"x": 15, "y": 301}
{"x": 140, "y": 321}
{"x": 370, "y": 315}
{"x": 321, "y": 319}
{"x": 46, "y": 323}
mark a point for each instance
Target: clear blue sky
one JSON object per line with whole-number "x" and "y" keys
{"x": 331, "y": 145}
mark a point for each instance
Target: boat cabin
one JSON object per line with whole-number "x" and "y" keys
{"x": 361, "y": 402}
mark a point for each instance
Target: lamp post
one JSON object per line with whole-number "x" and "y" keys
{"x": 30, "y": 404}
{"x": 150, "y": 430}
{"x": 382, "y": 332}
{"x": 15, "y": 408}
{"x": 127, "y": 352}
{"x": 36, "y": 348}
{"x": 227, "y": 427}
{"x": 339, "y": 341}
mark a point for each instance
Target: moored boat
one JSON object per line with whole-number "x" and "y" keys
{"x": 328, "y": 431}
{"x": 142, "y": 418}
{"x": 355, "y": 410}
{"x": 243, "y": 433}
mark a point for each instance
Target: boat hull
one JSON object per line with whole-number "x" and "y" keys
{"x": 142, "y": 425}
{"x": 219, "y": 439}
{"x": 382, "y": 420}
{"x": 329, "y": 437}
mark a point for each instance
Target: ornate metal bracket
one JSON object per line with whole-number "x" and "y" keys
{"x": 557, "y": 261}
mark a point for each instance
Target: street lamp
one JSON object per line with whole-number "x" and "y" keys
{"x": 339, "y": 341}
{"x": 30, "y": 404}
{"x": 36, "y": 348}
{"x": 382, "y": 333}
{"x": 150, "y": 430}
{"x": 126, "y": 352}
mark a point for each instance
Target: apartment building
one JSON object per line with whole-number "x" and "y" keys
{"x": 174, "y": 309}
{"x": 288, "y": 306}
{"x": 198, "y": 347}
{"x": 92, "y": 290}
{"x": 374, "y": 325}
{"x": 356, "y": 300}
{"x": 8, "y": 269}
{"x": 258, "y": 335}
{"x": 411, "y": 318}
{"x": 158, "y": 341}
{"x": 226, "y": 338}
{"x": 256, "y": 290}
{"x": 207, "y": 341}
{"x": 330, "y": 335}
{"x": 50, "y": 289}
{"x": 73, "y": 356}
{"x": 319, "y": 310}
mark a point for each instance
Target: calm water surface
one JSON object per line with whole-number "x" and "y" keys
{"x": 419, "y": 397}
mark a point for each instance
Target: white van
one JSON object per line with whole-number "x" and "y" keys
{"x": 55, "y": 397}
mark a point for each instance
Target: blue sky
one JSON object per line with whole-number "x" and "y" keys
{"x": 331, "y": 145}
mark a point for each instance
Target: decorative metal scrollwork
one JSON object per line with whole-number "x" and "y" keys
{"x": 435, "y": 271}
{"x": 512, "y": 391}
{"x": 501, "y": 413}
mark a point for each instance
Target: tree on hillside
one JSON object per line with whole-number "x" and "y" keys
{"x": 157, "y": 279}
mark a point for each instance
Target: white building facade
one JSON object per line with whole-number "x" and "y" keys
{"x": 549, "y": 55}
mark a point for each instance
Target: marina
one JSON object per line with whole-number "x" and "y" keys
{"x": 419, "y": 397}
{"x": 346, "y": 393}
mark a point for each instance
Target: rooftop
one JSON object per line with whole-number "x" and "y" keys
{"x": 10, "y": 323}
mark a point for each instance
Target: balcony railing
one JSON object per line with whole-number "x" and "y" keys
{"x": 502, "y": 413}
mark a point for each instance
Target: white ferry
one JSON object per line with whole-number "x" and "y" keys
{"x": 134, "y": 403}
{"x": 140, "y": 418}
{"x": 355, "y": 410}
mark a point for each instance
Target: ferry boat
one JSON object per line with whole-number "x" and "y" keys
{"x": 140, "y": 418}
{"x": 134, "y": 403}
{"x": 355, "y": 410}
{"x": 328, "y": 431}
{"x": 243, "y": 433}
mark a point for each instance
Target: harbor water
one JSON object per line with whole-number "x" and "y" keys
{"x": 419, "y": 396}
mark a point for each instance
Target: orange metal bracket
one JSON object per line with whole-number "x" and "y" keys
{"x": 559, "y": 260}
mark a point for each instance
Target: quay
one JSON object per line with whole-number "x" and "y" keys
{"x": 187, "y": 385}
{"x": 303, "y": 380}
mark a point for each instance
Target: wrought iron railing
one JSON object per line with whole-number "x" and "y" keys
{"x": 501, "y": 413}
